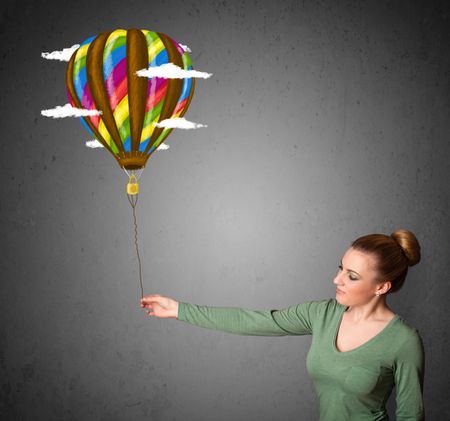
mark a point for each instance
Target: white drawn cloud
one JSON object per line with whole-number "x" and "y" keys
{"x": 179, "y": 123}
{"x": 63, "y": 55}
{"x": 68, "y": 111}
{"x": 94, "y": 143}
{"x": 171, "y": 71}
{"x": 66, "y": 53}
{"x": 186, "y": 48}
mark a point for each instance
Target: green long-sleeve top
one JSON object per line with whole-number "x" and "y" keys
{"x": 352, "y": 385}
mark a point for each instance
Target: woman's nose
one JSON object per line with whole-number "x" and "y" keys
{"x": 337, "y": 280}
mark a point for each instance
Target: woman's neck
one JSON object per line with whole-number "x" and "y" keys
{"x": 375, "y": 310}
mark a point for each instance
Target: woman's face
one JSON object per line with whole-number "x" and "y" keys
{"x": 357, "y": 279}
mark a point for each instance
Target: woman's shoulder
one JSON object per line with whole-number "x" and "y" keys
{"x": 403, "y": 340}
{"x": 328, "y": 304}
{"x": 325, "y": 303}
{"x": 406, "y": 330}
{"x": 322, "y": 308}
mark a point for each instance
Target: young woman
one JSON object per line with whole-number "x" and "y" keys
{"x": 360, "y": 348}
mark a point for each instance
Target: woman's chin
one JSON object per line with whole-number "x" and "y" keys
{"x": 339, "y": 299}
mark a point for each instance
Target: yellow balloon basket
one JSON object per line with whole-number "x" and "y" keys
{"x": 132, "y": 186}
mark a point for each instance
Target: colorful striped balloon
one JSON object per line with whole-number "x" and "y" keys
{"x": 101, "y": 75}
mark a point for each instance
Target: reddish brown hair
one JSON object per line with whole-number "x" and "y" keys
{"x": 394, "y": 254}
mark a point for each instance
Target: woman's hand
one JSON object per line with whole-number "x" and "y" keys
{"x": 159, "y": 306}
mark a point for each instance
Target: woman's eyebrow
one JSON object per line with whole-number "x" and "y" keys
{"x": 350, "y": 270}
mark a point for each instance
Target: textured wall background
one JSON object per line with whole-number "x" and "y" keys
{"x": 327, "y": 120}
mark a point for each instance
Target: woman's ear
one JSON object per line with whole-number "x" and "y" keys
{"x": 384, "y": 287}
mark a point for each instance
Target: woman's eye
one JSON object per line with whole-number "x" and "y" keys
{"x": 352, "y": 278}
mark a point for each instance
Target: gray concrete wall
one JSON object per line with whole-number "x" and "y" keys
{"x": 327, "y": 120}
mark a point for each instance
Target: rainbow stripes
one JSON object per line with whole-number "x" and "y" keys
{"x": 101, "y": 76}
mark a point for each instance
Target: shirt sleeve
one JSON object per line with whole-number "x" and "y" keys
{"x": 409, "y": 373}
{"x": 294, "y": 320}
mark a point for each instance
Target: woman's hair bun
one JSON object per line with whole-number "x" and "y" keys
{"x": 408, "y": 242}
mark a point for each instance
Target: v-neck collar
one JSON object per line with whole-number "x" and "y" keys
{"x": 372, "y": 339}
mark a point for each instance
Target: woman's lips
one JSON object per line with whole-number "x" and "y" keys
{"x": 338, "y": 291}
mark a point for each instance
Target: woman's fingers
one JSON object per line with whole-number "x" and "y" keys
{"x": 150, "y": 299}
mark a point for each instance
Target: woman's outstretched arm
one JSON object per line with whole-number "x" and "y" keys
{"x": 294, "y": 320}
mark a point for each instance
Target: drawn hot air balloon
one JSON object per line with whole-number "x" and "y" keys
{"x": 101, "y": 75}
